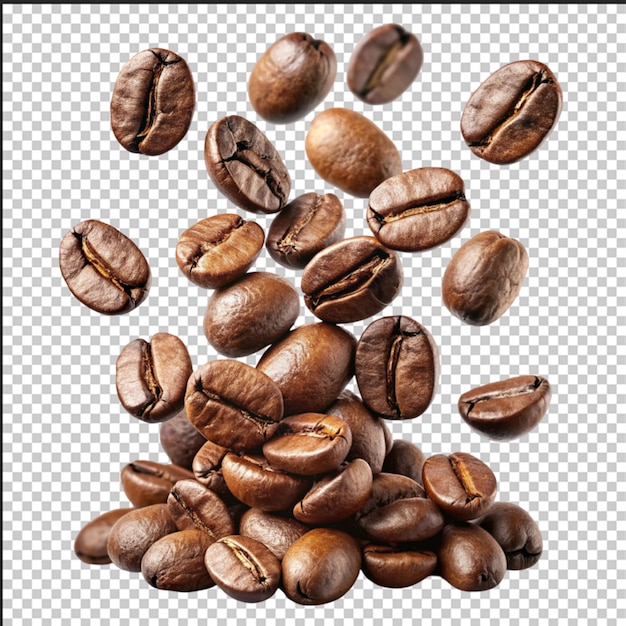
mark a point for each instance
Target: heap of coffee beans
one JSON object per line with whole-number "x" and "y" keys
{"x": 280, "y": 477}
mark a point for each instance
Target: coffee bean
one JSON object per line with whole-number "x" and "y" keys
{"x": 245, "y": 166}
{"x": 512, "y": 112}
{"x": 305, "y": 226}
{"x": 291, "y": 78}
{"x": 90, "y": 545}
{"x": 351, "y": 280}
{"x": 147, "y": 482}
{"x": 153, "y": 102}
{"x": 180, "y": 440}
{"x": 419, "y": 209}
{"x": 218, "y": 250}
{"x": 103, "y": 268}
{"x": 349, "y": 151}
{"x": 460, "y": 484}
{"x": 384, "y": 64}
{"x": 406, "y": 459}
{"x": 250, "y": 313}
{"x": 397, "y": 566}
{"x": 397, "y": 367}
{"x": 484, "y": 278}
{"x": 151, "y": 377}
{"x": 207, "y": 468}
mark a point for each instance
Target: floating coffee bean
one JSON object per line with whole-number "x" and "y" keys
{"x": 405, "y": 458}
{"x": 207, "y": 468}
{"x": 147, "y": 482}
{"x": 508, "y": 408}
{"x": 245, "y": 166}
{"x": 350, "y": 152}
{"x": 180, "y": 440}
{"x": 291, "y": 78}
{"x": 484, "y": 278}
{"x": 103, "y": 268}
{"x": 153, "y": 102}
{"x": 305, "y": 226}
{"x": 512, "y": 112}
{"x": 351, "y": 280}
{"x": 90, "y": 545}
{"x": 397, "y": 566}
{"x": 218, "y": 250}
{"x": 419, "y": 209}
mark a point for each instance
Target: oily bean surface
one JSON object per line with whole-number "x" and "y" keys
{"x": 90, "y": 545}
{"x": 148, "y": 482}
{"x": 406, "y": 459}
{"x": 180, "y": 440}
{"x": 397, "y": 566}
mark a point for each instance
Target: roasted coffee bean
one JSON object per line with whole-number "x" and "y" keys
{"x": 176, "y": 562}
{"x": 311, "y": 366}
{"x": 484, "y": 278}
{"x": 469, "y": 558}
{"x": 153, "y": 102}
{"x": 90, "y": 545}
{"x": 397, "y": 566}
{"x": 512, "y": 112}
{"x": 243, "y": 568}
{"x": 147, "y": 482}
{"x": 132, "y": 535}
{"x": 250, "y": 313}
{"x": 321, "y": 566}
{"x": 103, "y": 268}
{"x": 516, "y": 532}
{"x": 419, "y": 209}
{"x": 384, "y": 64}
{"x": 245, "y": 166}
{"x": 151, "y": 377}
{"x": 351, "y": 280}
{"x": 291, "y": 78}
{"x": 180, "y": 440}
{"x": 207, "y": 468}
{"x": 397, "y": 367}
{"x": 349, "y": 151}
{"x": 218, "y": 250}
{"x": 305, "y": 226}
{"x": 508, "y": 408}
{"x": 233, "y": 404}
{"x": 460, "y": 484}
{"x": 405, "y": 458}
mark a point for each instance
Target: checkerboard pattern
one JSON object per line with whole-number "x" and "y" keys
{"x": 65, "y": 435}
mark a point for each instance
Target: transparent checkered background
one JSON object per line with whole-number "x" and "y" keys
{"x": 65, "y": 435}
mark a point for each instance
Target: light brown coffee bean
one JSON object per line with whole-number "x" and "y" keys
{"x": 397, "y": 566}
{"x": 147, "y": 482}
{"x": 90, "y": 545}
{"x": 207, "y": 468}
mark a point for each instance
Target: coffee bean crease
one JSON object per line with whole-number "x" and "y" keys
{"x": 247, "y": 560}
{"x": 506, "y": 393}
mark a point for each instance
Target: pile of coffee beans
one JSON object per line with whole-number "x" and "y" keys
{"x": 281, "y": 477}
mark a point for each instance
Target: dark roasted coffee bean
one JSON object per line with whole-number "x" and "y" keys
{"x": 151, "y": 377}
{"x": 90, "y": 545}
{"x": 243, "y": 568}
{"x": 180, "y": 440}
{"x": 153, "y": 102}
{"x": 484, "y": 278}
{"x": 207, "y": 468}
{"x": 245, "y": 166}
{"x": 147, "y": 482}
{"x": 103, "y": 268}
{"x": 419, "y": 209}
{"x": 460, "y": 484}
{"x": 397, "y": 566}
{"x": 250, "y": 313}
{"x": 384, "y": 64}
{"x": 516, "y": 532}
{"x": 351, "y": 280}
{"x": 405, "y": 458}
{"x": 291, "y": 78}
{"x": 512, "y": 112}
{"x": 321, "y": 566}
{"x": 218, "y": 249}
{"x": 233, "y": 404}
{"x": 311, "y": 366}
{"x": 176, "y": 562}
{"x": 305, "y": 226}
{"x": 397, "y": 367}
{"x": 508, "y": 408}
{"x": 350, "y": 152}
{"x": 469, "y": 558}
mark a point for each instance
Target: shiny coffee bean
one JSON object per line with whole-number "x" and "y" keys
{"x": 90, "y": 545}
{"x": 207, "y": 468}
{"x": 351, "y": 280}
{"x": 245, "y": 166}
{"x": 384, "y": 64}
{"x": 419, "y": 209}
{"x": 291, "y": 78}
{"x": 103, "y": 268}
{"x": 305, "y": 226}
{"x": 147, "y": 482}
{"x": 512, "y": 112}
{"x": 484, "y": 278}
{"x": 460, "y": 484}
{"x": 397, "y": 566}
{"x": 406, "y": 459}
{"x": 397, "y": 367}
{"x": 218, "y": 250}
{"x": 153, "y": 102}
{"x": 233, "y": 404}
{"x": 151, "y": 377}
{"x": 506, "y": 409}
{"x": 180, "y": 440}
{"x": 349, "y": 151}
